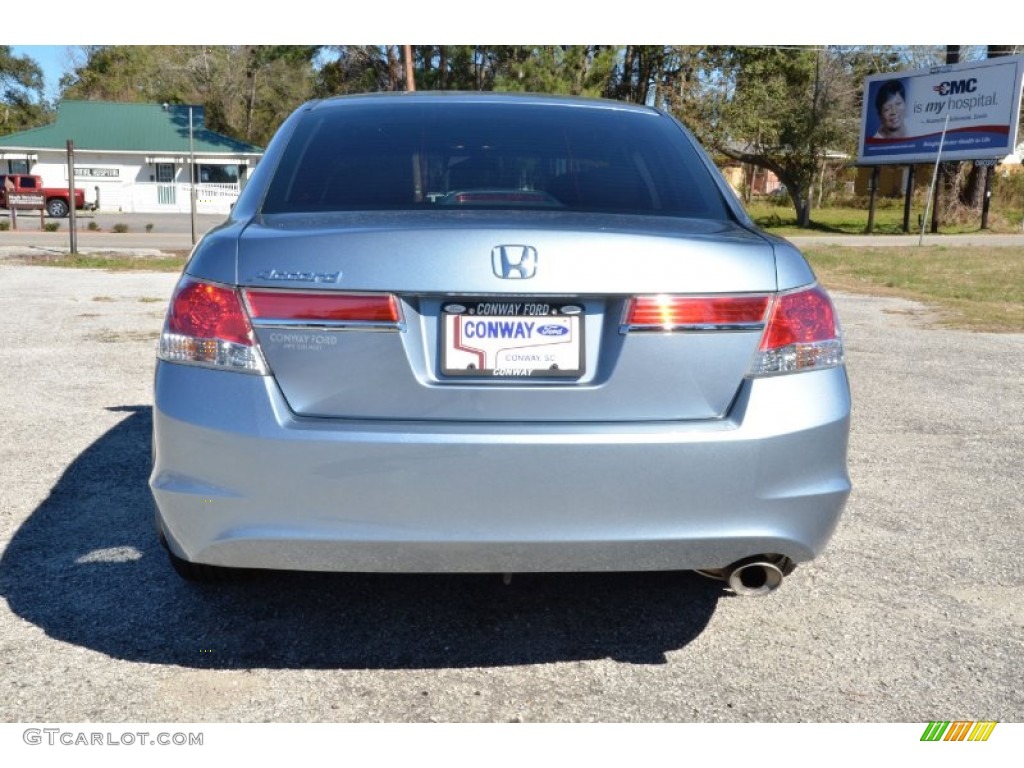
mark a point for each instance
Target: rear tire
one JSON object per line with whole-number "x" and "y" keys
{"x": 57, "y": 208}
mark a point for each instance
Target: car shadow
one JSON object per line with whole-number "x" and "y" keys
{"x": 87, "y": 568}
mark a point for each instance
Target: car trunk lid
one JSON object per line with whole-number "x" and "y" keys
{"x": 455, "y": 276}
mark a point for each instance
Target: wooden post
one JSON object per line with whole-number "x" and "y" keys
{"x": 908, "y": 198}
{"x": 875, "y": 172}
{"x": 935, "y": 196}
{"x": 986, "y": 195}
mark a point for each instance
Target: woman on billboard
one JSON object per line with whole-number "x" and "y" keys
{"x": 890, "y": 104}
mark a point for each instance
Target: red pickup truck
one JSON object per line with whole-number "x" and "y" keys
{"x": 56, "y": 199}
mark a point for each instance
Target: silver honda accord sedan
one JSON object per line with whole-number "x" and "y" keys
{"x": 495, "y": 333}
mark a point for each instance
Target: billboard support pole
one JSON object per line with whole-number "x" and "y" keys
{"x": 986, "y": 196}
{"x": 935, "y": 174}
{"x": 908, "y": 198}
{"x": 875, "y": 172}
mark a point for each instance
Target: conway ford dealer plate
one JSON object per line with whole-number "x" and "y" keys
{"x": 509, "y": 339}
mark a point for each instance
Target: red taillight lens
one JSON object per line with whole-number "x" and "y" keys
{"x": 207, "y": 326}
{"x": 327, "y": 307}
{"x": 205, "y": 311}
{"x": 802, "y": 317}
{"x": 678, "y": 311}
{"x": 802, "y": 335}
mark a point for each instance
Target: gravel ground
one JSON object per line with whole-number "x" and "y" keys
{"x": 914, "y": 613}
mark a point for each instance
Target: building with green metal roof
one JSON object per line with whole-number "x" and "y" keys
{"x": 134, "y": 157}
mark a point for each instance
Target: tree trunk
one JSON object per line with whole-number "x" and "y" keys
{"x": 804, "y": 212}
{"x": 970, "y": 195}
{"x": 251, "y": 68}
{"x": 410, "y": 74}
{"x": 626, "y": 84}
{"x": 394, "y": 67}
{"x": 801, "y": 203}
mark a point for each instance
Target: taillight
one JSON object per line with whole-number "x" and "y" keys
{"x": 322, "y": 308}
{"x": 207, "y": 325}
{"x": 801, "y": 331}
{"x": 207, "y": 311}
{"x": 675, "y": 313}
{"x": 802, "y": 334}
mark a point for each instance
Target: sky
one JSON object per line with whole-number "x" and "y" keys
{"x": 53, "y": 60}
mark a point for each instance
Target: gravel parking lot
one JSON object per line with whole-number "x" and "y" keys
{"x": 915, "y": 613}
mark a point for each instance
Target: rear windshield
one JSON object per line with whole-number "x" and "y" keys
{"x": 400, "y": 156}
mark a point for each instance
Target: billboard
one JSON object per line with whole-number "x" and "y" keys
{"x": 905, "y": 112}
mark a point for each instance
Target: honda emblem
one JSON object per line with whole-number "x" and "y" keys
{"x": 514, "y": 262}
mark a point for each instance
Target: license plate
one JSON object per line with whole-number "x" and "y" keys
{"x": 512, "y": 339}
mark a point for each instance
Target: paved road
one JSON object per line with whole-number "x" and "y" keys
{"x": 173, "y": 232}
{"x": 912, "y": 614}
{"x": 170, "y": 232}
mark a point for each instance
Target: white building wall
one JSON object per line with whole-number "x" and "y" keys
{"x": 126, "y": 183}
{"x": 52, "y": 166}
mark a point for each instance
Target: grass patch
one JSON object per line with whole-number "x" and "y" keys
{"x": 172, "y": 262}
{"x": 781, "y": 220}
{"x": 978, "y": 288}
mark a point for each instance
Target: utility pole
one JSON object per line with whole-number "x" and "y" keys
{"x": 192, "y": 172}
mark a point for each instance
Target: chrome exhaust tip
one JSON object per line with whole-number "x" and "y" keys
{"x": 754, "y": 577}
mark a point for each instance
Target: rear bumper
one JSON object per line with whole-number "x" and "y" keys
{"x": 239, "y": 481}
